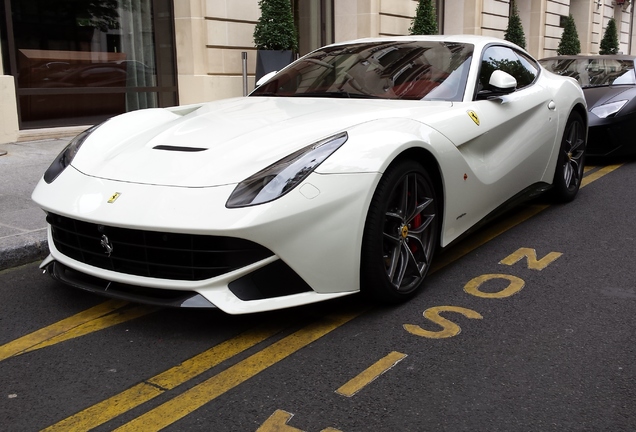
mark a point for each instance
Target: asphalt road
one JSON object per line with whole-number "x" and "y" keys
{"x": 544, "y": 343}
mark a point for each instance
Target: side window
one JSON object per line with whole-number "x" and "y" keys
{"x": 530, "y": 66}
{"x": 516, "y": 64}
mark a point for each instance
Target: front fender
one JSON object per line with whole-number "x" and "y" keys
{"x": 372, "y": 147}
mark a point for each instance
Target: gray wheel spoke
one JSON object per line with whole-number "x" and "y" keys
{"x": 419, "y": 209}
{"x": 391, "y": 238}
{"x": 395, "y": 215}
{"x": 568, "y": 173}
{"x": 395, "y": 259}
{"x": 426, "y": 221}
{"x": 402, "y": 260}
{"x": 412, "y": 185}
{"x": 576, "y": 169}
{"x": 404, "y": 203}
{"x": 420, "y": 266}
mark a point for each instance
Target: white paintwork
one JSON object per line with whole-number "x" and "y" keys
{"x": 317, "y": 227}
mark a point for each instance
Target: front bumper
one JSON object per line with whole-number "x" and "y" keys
{"x": 315, "y": 230}
{"x": 155, "y": 297}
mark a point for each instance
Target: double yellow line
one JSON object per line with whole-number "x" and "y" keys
{"x": 194, "y": 398}
{"x": 115, "y": 312}
{"x": 96, "y": 318}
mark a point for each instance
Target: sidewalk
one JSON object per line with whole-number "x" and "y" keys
{"x": 23, "y": 236}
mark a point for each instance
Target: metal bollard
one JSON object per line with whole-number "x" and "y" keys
{"x": 244, "y": 56}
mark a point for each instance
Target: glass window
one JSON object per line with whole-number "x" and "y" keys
{"x": 314, "y": 21}
{"x": 387, "y": 70}
{"x": 521, "y": 67}
{"x": 79, "y": 62}
{"x": 594, "y": 71}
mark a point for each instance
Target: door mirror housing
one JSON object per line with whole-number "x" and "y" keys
{"x": 501, "y": 83}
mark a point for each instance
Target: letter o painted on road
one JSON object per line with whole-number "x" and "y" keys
{"x": 515, "y": 285}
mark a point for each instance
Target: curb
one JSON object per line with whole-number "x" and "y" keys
{"x": 23, "y": 249}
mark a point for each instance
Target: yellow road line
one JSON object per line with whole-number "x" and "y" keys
{"x": 117, "y": 317}
{"x": 116, "y": 405}
{"x": 598, "y": 174}
{"x": 277, "y": 422}
{"x": 27, "y": 342}
{"x": 187, "y": 402}
{"x": 367, "y": 376}
{"x": 484, "y": 235}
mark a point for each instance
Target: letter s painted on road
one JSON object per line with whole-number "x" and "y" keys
{"x": 450, "y": 329}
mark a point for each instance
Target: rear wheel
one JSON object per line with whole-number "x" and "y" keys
{"x": 570, "y": 164}
{"x": 400, "y": 234}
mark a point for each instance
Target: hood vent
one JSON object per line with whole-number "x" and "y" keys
{"x": 180, "y": 149}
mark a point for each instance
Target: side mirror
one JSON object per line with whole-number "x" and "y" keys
{"x": 267, "y": 76}
{"x": 501, "y": 83}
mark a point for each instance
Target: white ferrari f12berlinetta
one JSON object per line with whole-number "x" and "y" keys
{"x": 341, "y": 173}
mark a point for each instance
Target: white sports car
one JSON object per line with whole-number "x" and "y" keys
{"x": 341, "y": 173}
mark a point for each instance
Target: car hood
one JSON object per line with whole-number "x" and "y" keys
{"x": 595, "y": 96}
{"x": 225, "y": 142}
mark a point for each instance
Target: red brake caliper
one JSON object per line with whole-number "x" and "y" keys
{"x": 417, "y": 221}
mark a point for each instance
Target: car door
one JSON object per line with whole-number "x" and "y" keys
{"x": 516, "y": 132}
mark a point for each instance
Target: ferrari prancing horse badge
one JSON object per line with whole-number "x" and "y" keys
{"x": 473, "y": 115}
{"x": 114, "y": 197}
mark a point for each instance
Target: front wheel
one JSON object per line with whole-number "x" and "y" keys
{"x": 400, "y": 234}
{"x": 569, "y": 170}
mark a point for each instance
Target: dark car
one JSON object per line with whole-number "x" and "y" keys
{"x": 609, "y": 85}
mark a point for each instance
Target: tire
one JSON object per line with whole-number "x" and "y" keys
{"x": 571, "y": 161}
{"x": 400, "y": 234}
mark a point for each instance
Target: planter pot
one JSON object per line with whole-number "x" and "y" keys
{"x": 268, "y": 61}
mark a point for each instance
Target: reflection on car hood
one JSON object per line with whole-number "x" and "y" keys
{"x": 595, "y": 96}
{"x": 226, "y": 141}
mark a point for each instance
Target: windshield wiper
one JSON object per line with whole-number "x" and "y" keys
{"x": 266, "y": 94}
{"x": 336, "y": 94}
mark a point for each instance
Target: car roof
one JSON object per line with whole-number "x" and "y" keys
{"x": 478, "y": 41}
{"x": 591, "y": 56}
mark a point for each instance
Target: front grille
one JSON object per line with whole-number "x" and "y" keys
{"x": 150, "y": 253}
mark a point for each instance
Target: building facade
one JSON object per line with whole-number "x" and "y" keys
{"x": 66, "y": 63}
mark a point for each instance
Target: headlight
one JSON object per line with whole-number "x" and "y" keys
{"x": 609, "y": 109}
{"x": 284, "y": 175}
{"x": 65, "y": 158}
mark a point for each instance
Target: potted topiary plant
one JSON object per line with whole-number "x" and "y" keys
{"x": 609, "y": 43}
{"x": 569, "y": 44}
{"x": 274, "y": 36}
{"x": 425, "y": 20}
{"x": 514, "y": 33}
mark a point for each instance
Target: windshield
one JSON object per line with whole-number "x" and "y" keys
{"x": 387, "y": 70}
{"x": 594, "y": 72}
